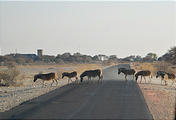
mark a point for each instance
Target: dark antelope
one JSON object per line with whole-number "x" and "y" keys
{"x": 91, "y": 73}
{"x": 143, "y": 74}
{"x": 47, "y": 77}
{"x": 126, "y": 72}
{"x": 70, "y": 75}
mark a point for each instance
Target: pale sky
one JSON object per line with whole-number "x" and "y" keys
{"x": 120, "y": 28}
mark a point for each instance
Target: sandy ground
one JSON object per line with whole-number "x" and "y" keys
{"x": 160, "y": 99}
{"x": 13, "y": 96}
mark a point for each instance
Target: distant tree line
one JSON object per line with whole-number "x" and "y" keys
{"x": 59, "y": 59}
{"x": 81, "y": 58}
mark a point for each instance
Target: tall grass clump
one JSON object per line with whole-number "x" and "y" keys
{"x": 10, "y": 76}
{"x": 145, "y": 66}
{"x": 155, "y": 66}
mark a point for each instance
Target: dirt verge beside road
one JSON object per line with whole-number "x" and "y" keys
{"x": 160, "y": 100}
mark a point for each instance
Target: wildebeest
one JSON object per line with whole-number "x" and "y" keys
{"x": 165, "y": 76}
{"x": 47, "y": 77}
{"x": 70, "y": 75}
{"x": 143, "y": 73}
{"x": 91, "y": 73}
{"x": 126, "y": 72}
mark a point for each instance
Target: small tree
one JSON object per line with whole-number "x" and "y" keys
{"x": 150, "y": 57}
{"x": 170, "y": 56}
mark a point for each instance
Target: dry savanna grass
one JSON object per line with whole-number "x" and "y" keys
{"x": 154, "y": 67}
{"x": 164, "y": 66}
{"x": 11, "y": 77}
{"x": 79, "y": 68}
{"x": 145, "y": 66}
{"x": 108, "y": 63}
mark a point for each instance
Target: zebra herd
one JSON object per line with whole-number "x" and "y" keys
{"x": 53, "y": 76}
{"x": 165, "y": 76}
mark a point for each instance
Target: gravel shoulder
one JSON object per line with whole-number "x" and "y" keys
{"x": 13, "y": 96}
{"x": 160, "y": 100}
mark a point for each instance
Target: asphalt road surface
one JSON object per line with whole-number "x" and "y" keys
{"x": 114, "y": 98}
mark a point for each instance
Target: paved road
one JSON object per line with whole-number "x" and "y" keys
{"x": 113, "y": 99}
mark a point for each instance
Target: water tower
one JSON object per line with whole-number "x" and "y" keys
{"x": 40, "y": 52}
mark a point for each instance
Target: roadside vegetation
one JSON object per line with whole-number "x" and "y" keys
{"x": 10, "y": 76}
{"x": 155, "y": 66}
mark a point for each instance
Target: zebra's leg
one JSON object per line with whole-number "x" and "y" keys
{"x": 52, "y": 82}
{"x": 150, "y": 79}
{"x": 99, "y": 78}
{"x": 56, "y": 82}
{"x": 126, "y": 77}
{"x": 163, "y": 81}
{"x": 88, "y": 79}
{"x": 141, "y": 79}
{"x": 144, "y": 79}
{"x": 76, "y": 79}
{"x": 166, "y": 82}
{"x": 43, "y": 84}
{"x": 172, "y": 82}
{"x": 71, "y": 80}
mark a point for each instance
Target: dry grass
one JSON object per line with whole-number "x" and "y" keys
{"x": 108, "y": 63}
{"x": 79, "y": 68}
{"x": 10, "y": 77}
{"x": 154, "y": 67}
{"x": 164, "y": 66}
{"x": 145, "y": 66}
